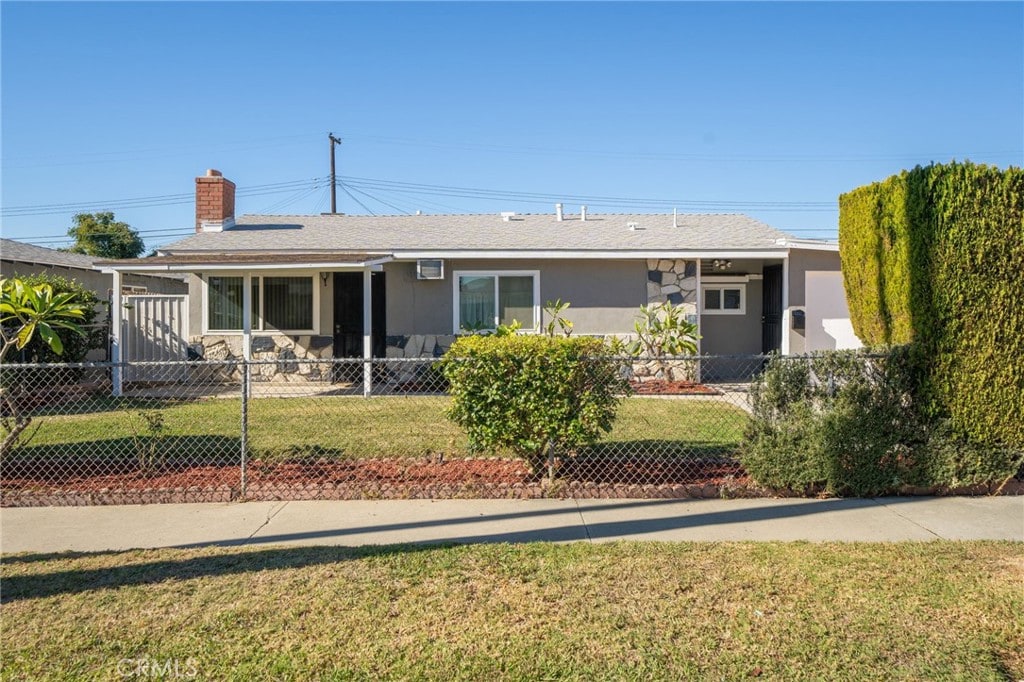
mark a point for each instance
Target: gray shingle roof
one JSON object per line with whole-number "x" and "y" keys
{"x": 486, "y": 232}
{"x": 29, "y": 253}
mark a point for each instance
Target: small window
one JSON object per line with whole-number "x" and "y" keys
{"x": 724, "y": 299}
{"x": 485, "y": 300}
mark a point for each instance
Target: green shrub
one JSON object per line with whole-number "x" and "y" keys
{"x": 855, "y": 425}
{"x": 534, "y": 395}
{"x": 935, "y": 257}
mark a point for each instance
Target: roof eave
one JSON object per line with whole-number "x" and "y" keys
{"x": 111, "y": 267}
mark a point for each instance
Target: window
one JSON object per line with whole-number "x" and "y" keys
{"x": 288, "y": 302}
{"x": 483, "y": 300}
{"x": 724, "y": 299}
{"x": 279, "y": 303}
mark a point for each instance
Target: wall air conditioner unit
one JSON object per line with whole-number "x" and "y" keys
{"x": 430, "y": 269}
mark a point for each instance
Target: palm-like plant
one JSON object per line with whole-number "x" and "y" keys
{"x": 31, "y": 309}
{"x": 24, "y": 312}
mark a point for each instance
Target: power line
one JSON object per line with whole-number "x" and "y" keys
{"x": 355, "y": 199}
{"x": 594, "y": 200}
{"x": 683, "y": 156}
{"x": 154, "y": 200}
{"x": 123, "y": 156}
{"x": 378, "y": 200}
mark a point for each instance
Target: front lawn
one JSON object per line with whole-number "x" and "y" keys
{"x": 340, "y": 427}
{"x": 939, "y": 610}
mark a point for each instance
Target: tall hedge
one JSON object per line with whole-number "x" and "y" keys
{"x": 934, "y": 256}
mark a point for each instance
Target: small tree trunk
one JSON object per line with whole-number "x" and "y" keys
{"x": 15, "y": 424}
{"x": 11, "y": 439}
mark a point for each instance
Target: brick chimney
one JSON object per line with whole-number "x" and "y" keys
{"x": 215, "y": 202}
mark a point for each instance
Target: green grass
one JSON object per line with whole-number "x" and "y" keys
{"x": 643, "y": 611}
{"x": 356, "y": 427}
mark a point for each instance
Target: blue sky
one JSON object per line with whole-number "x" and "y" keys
{"x": 769, "y": 109}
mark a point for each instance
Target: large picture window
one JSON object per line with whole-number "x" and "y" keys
{"x": 278, "y": 303}
{"x": 483, "y": 300}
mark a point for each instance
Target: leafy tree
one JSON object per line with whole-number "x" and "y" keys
{"x": 98, "y": 234}
{"x": 25, "y": 311}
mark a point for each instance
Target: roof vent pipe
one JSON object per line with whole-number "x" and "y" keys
{"x": 558, "y": 212}
{"x": 583, "y": 213}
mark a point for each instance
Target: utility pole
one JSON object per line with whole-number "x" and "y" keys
{"x": 334, "y": 181}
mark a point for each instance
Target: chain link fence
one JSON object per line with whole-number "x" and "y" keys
{"x": 292, "y": 429}
{"x": 340, "y": 429}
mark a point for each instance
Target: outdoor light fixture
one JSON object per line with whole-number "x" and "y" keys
{"x": 324, "y": 276}
{"x": 719, "y": 264}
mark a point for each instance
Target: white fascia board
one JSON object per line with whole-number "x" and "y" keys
{"x": 198, "y": 267}
{"x": 812, "y": 246}
{"x": 591, "y": 255}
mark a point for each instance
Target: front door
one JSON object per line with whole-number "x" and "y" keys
{"x": 771, "y": 309}
{"x": 348, "y": 321}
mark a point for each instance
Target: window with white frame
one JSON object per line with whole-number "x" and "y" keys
{"x": 483, "y": 300}
{"x": 724, "y": 299}
{"x": 278, "y": 303}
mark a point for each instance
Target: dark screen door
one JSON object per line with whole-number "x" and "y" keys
{"x": 348, "y": 317}
{"x": 771, "y": 309}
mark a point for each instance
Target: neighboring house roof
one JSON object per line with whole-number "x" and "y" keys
{"x": 21, "y": 252}
{"x": 485, "y": 232}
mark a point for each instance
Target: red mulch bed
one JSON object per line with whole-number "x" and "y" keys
{"x": 85, "y": 482}
{"x": 120, "y": 482}
{"x": 664, "y": 387}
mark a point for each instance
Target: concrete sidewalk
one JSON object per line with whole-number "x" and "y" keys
{"x": 56, "y": 529}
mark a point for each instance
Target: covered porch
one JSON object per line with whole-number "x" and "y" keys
{"x": 291, "y": 309}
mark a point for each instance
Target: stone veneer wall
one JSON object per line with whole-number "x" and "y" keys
{"x": 674, "y": 281}
{"x": 284, "y": 352}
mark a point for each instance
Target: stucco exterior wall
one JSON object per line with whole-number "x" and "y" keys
{"x": 828, "y": 318}
{"x": 800, "y": 262}
{"x": 605, "y": 294}
{"x": 734, "y": 334}
{"x": 198, "y": 305}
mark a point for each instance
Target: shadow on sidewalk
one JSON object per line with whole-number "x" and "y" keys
{"x": 83, "y": 580}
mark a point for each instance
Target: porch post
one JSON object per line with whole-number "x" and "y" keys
{"x": 785, "y": 304}
{"x": 367, "y": 332}
{"x": 700, "y": 322}
{"x": 247, "y": 317}
{"x": 117, "y": 375}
